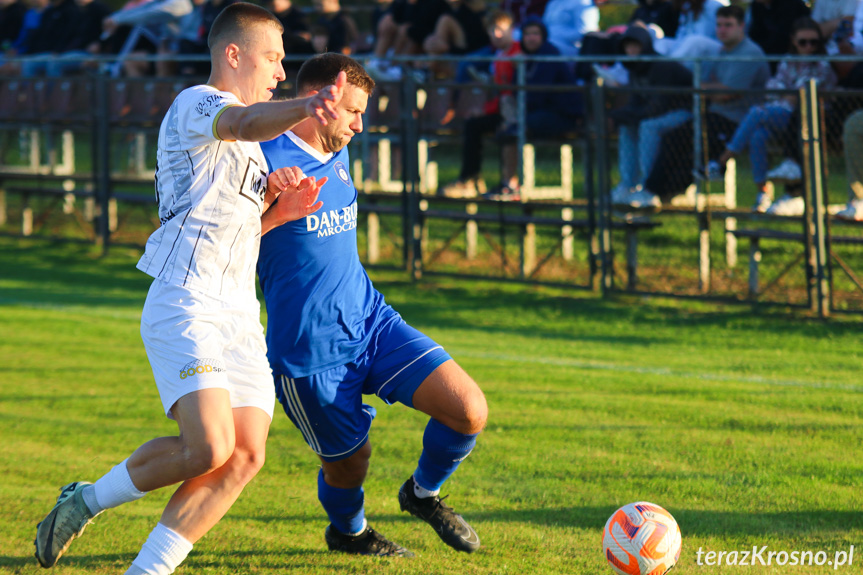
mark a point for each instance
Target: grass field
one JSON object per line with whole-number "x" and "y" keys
{"x": 746, "y": 427}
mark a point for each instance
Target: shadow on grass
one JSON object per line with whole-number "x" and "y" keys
{"x": 692, "y": 521}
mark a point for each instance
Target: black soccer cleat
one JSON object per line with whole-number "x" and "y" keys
{"x": 449, "y": 525}
{"x": 369, "y": 542}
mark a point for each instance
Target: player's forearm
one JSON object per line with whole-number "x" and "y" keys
{"x": 266, "y": 120}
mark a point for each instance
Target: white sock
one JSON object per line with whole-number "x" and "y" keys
{"x": 112, "y": 489}
{"x": 163, "y": 551}
{"x": 422, "y": 492}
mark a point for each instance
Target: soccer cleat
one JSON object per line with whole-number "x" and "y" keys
{"x": 369, "y": 542}
{"x": 449, "y": 525}
{"x": 787, "y": 206}
{"x": 853, "y": 211}
{"x": 65, "y": 522}
{"x": 788, "y": 171}
{"x": 469, "y": 188}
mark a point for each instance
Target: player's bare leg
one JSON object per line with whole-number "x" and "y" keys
{"x": 459, "y": 411}
{"x": 200, "y": 502}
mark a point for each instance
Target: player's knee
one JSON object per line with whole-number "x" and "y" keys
{"x": 209, "y": 455}
{"x": 476, "y": 414}
{"x": 248, "y": 461}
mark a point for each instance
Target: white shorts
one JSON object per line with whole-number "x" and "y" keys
{"x": 195, "y": 341}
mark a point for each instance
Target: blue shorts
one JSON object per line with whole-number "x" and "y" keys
{"x": 328, "y": 407}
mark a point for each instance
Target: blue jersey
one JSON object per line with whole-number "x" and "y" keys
{"x": 321, "y": 305}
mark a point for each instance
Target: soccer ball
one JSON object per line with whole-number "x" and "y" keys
{"x": 641, "y": 539}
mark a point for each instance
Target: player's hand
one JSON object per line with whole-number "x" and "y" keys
{"x": 322, "y": 106}
{"x": 294, "y": 202}
{"x": 281, "y": 180}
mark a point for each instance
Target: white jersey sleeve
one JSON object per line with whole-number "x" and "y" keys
{"x": 210, "y": 195}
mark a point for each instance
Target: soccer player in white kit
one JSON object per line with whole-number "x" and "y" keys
{"x": 201, "y": 320}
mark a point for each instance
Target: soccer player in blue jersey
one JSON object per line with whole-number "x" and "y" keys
{"x": 331, "y": 338}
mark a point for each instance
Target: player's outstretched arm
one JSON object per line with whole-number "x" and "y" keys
{"x": 289, "y": 197}
{"x": 266, "y": 120}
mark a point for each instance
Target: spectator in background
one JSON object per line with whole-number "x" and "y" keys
{"x": 549, "y": 114}
{"x": 297, "y": 35}
{"x": 830, "y": 15}
{"x": 696, "y": 30}
{"x": 672, "y": 171}
{"x": 342, "y": 33}
{"x": 852, "y": 138}
{"x": 770, "y": 21}
{"x": 18, "y": 47}
{"x": 86, "y": 41}
{"x": 521, "y": 9}
{"x": 161, "y": 19}
{"x": 499, "y": 26}
{"x": 774, "y": 117}
{"x": 403, "y": 31}
{"x": 647, "y": 115}
{"x": 12, "y": 14}
{"x": 460, "y": 31}
{"x": 56, "y": 28}
{"x": 568, "y": 20}
{"x": 660, "y": 13}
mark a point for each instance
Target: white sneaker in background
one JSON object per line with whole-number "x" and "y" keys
{"x": 853, "y": 211}
{"x": 644, "y": 199}
{"x": 787, "y": 171}
{"x": 787, "y": 206}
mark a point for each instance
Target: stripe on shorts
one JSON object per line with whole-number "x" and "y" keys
{"x": 396, "y": 374}
{"x": 289, "y": 389}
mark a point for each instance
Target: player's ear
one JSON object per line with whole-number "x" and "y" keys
{"x": 232, "y": 54}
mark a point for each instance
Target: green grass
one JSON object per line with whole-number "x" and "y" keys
{"x": 746, "y": 427}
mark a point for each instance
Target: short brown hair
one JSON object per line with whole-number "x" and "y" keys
{"x": 321, "y": 70}
{"x": 495, "y": 17}
{"x": 234, "y": 24}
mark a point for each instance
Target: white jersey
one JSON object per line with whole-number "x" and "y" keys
{"x": 210, "y": 194}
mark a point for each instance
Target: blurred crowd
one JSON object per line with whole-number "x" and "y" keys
{"x": 55, "y": 38}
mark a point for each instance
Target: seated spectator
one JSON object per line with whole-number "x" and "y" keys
{"x": 672, "y": 171}
{"x": 646, "y": 116}
{"x": 774, "y": 117}
{"x": 659, "y": 13}
{"x": 342, "y": 32}
{"x": 770, "y": 24}
{"x": 848, "y": 41}
{"x": 459, "y": 32}
{"x": 549, "y": 114}
{"x": 568, "y": 20}
{"x": 835, "y": 16}
{"x": 29, "y": 26}
{"x": 522, "y": 9}
{"x": 161, "y": 18}
{"x": 696, "y": 30}
{"x": 86, "y": 41}
{"x": 403, "y": 31}
{"x": 56, "y": 28}
{"x": 12, "y": 14}
{"x": 852, "y": 138}
{"x": 297, "y": 36}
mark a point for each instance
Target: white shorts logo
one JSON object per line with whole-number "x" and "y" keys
{"x": 199, "y": 366}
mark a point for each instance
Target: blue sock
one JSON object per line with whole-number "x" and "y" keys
{"x": 443, "y": 450}
{"x": 344, "y": 507}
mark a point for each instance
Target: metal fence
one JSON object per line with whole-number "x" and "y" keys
{"x": 77, "y": 158}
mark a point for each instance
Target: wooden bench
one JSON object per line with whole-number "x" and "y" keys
{"x": 755, "y": 255}
{"x": 526, "y": 219}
